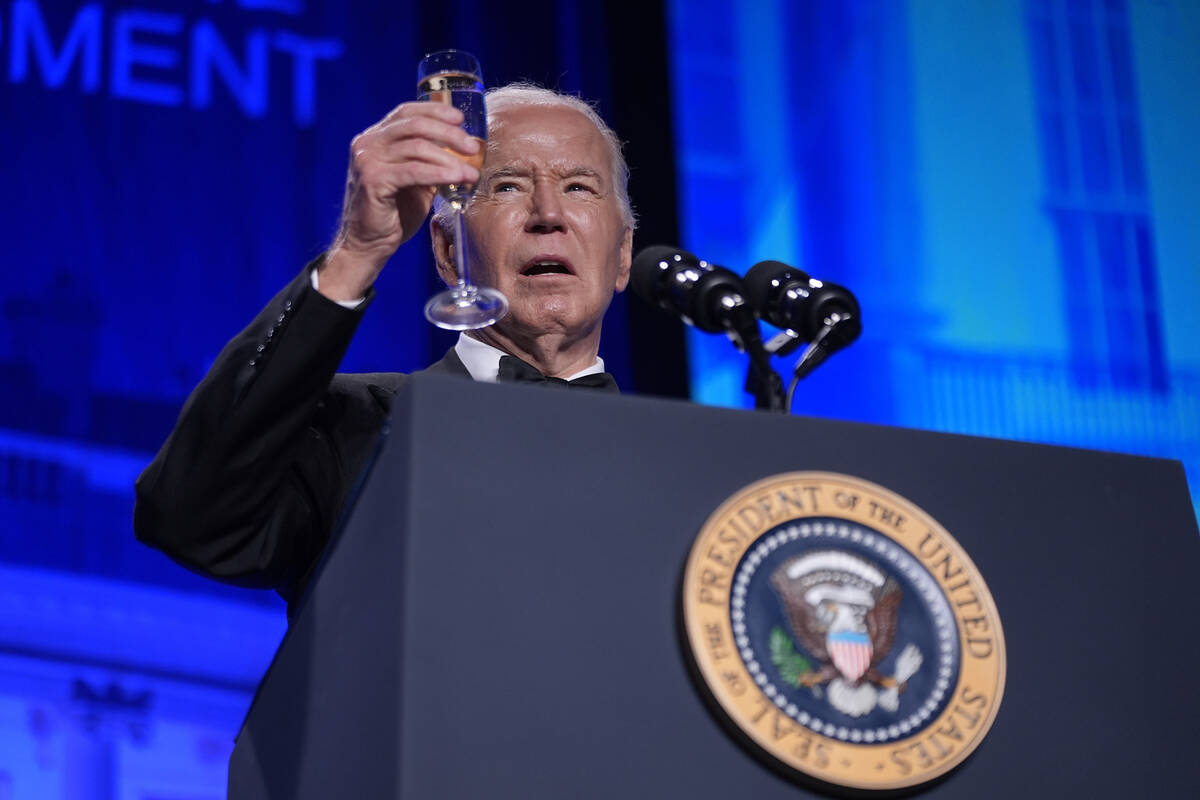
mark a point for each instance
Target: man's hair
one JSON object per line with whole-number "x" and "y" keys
{"x": 515, "y": 95}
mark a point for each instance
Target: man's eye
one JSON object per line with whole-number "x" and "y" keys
{"x": 505, "y": 186}
{"x": 578, "y": 187}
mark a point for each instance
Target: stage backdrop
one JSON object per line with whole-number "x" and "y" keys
{"x": 168, "y": 166}
{"x": 1010, "y": 187}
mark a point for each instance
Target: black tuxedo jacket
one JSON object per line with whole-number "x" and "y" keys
{"x": 250, "y": 483}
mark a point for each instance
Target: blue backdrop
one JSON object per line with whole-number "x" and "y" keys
{"x": 1009, "y": 186}
{"x": 168, "y": 166}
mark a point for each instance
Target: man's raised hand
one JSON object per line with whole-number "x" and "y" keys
{"x": 395, "y": 168}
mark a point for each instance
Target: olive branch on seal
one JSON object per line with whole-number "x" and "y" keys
{"x": 791, "y": 664}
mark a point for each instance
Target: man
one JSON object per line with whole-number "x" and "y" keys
{"x": 250, "y": 484}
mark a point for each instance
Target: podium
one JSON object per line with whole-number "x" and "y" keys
{"x": 499, "y": 615}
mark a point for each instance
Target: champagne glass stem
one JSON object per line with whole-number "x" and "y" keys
{"x": 460, "y": 247}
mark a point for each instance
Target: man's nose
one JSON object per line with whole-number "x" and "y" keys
{"x": 545, "y": 209}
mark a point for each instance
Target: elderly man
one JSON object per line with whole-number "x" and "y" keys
{"x": 250, "y": 483}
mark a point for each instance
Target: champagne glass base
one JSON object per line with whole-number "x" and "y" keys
{"x": 466, "y": 308}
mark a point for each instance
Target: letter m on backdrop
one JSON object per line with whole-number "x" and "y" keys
{"x": 31, "y": 39}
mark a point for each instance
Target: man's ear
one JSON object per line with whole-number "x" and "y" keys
{"x": 443, "y": 253}
{"x": 626, "y": 260}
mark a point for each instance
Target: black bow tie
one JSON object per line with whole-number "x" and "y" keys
{"x": 514, "y": 370}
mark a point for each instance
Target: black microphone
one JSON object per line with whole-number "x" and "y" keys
{"x": 788, "y": 298}
{"x": 706, "y": 295}
{"x": 823, "y": 313}
{"x": 712, "y": 299}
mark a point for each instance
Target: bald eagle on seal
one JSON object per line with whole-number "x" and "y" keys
{"x": 842, "y": 609}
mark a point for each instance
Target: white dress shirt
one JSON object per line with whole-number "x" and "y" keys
{"x": 483, "y": 361}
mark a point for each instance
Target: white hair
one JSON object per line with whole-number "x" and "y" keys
{"x": 528, "y": 94}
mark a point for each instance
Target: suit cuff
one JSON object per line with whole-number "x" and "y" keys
{"x": 350, "y": 304}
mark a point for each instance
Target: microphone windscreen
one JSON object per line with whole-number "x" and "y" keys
{"x": 765, "y": 280}
{"x": 650, "y": 264}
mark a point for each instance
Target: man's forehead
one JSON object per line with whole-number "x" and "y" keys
{"x": 546, "y": 137}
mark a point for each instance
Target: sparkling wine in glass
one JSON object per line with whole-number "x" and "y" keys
{"x": 454, "y": 77}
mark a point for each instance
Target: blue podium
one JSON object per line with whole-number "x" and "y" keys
{"x": 499, "y": 615}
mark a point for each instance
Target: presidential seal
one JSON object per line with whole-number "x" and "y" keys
{"x": 843, "y": 631}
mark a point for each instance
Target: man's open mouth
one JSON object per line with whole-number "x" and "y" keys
{"x": 546, "y": 267}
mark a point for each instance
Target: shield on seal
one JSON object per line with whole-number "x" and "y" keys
{"x": 851, "y": 653}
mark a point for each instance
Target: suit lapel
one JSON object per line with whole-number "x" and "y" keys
{"x": 450, "y": 364}
{"x": 388, "y": 383}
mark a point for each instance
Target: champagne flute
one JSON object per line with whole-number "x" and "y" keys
{"x": 453, "y": 77}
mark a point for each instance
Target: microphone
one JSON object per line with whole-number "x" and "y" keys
{"x": 712, "y": 299}
{"x": 706, "y": 295}
{"x": 788, "y": 298}
{"x": 823, "y": 313}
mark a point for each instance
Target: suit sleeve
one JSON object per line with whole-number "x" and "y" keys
{"x": 247, "y": 486}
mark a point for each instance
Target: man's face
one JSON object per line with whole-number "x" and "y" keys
{"x": 545, "y": 225}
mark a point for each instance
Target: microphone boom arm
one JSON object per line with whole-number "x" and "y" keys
{"x": 762, "y": 381}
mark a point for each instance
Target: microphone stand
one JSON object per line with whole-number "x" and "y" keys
{"x": 832, "y": 337}
{"x": 839, "y": 330}
{"x": 762, "y": 380}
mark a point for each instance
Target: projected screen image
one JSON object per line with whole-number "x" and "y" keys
{"x": 1005, "y": 186}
